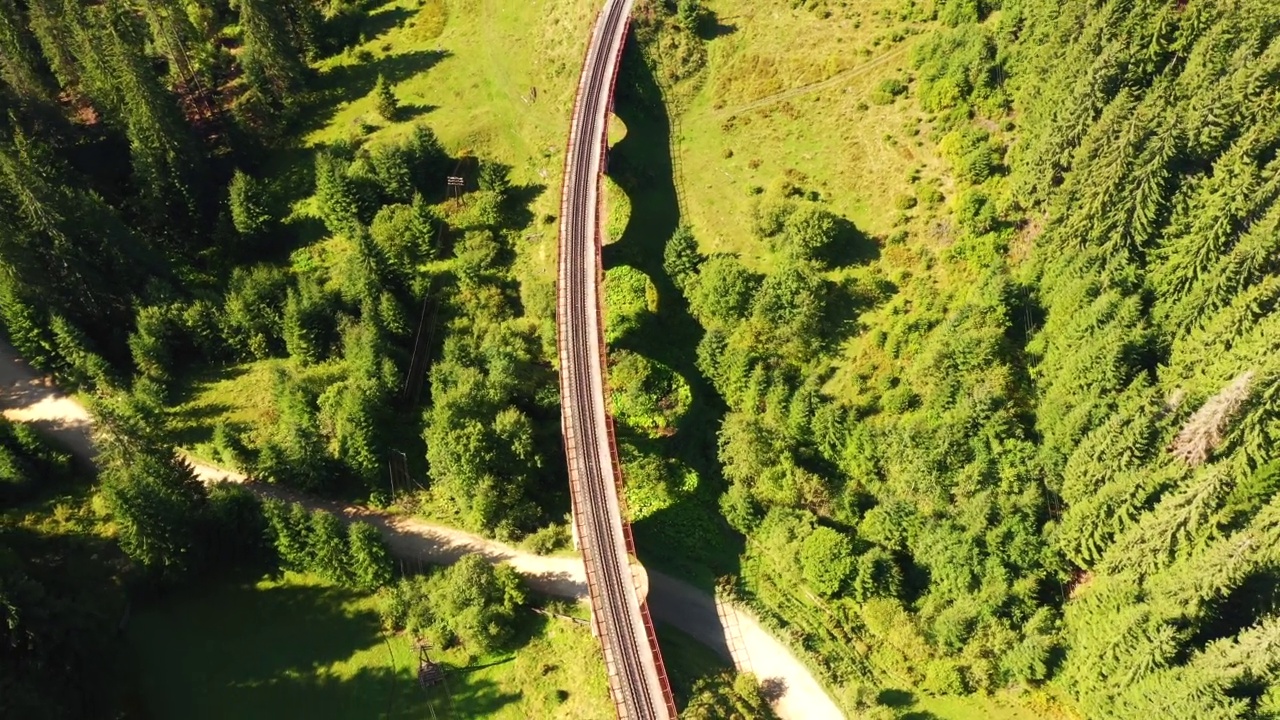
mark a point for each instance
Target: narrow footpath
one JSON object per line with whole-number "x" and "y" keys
{"x": 26, "y": 396}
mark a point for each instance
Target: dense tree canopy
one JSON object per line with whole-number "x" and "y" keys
{"x": 1026, "y": 467}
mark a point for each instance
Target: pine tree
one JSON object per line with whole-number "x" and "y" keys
{"x": 681, "y": 259}
{"x": 52, "y": 31}
{"x": 384, "y": 99}
{"x": 339, "y": 202}
{"x": 177, "y": 38}
{"x": 153, "y": 495}
{"x": 249, "y": 209}
{"x": 78, "y": 28}
{"x": 287, "y": 524}
{"x": 327, "y": 548}
{"x": 164, "y": 162}
{"x": 18, "y": 57}
{"x": 371, "y": 562}
{"x": 272, "y": 61}
{"x": 66, "y": 245}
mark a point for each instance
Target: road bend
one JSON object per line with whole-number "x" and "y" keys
{"x": 637, "y": 680}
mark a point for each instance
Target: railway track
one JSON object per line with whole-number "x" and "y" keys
{"x": 620, "y": 618}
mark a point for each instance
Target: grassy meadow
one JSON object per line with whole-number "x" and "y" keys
{"x": 787, "y": 95}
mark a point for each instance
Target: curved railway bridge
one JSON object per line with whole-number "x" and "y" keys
{"x": 620, "y": 616}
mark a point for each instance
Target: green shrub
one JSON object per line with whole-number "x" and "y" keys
{"x": 769, "y": 214}
{"x": 975, "y": 212}
{"x": 930, "y": 195}
{"x": 549, "y": 539}
{"x": 471, "y": 603}
{"x": 887, "y": 90}
{"x": 827, "y": 560}
{"x": 645, "y": 395}
{"x": 627, "y": 293}
{"x": 809, "y": 231}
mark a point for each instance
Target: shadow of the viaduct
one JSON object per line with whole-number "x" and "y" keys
{"x": 641, "y": 165}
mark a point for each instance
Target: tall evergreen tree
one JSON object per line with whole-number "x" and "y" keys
{"x": 271, "y": 59}
{"x": 19, "y": 63}
{"x": 164, "y": 161}
{"x": 52, "y": 31}
{"x": 178, "y": 39}
{"x": 66, "y": 246}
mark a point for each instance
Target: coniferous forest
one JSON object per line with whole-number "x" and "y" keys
{"x": 1025, "y": 442}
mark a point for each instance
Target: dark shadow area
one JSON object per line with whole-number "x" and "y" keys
{"x": 240, "y": 651}
{"x": 773, "y": 689}
{"x": 377, "y": 24}
{"x": 196, "y": 424}
{"x": 518, "y": 201}
{"x": 642, "y": 166}
{"x": 407, "y": 112}
{"x": 688, "y": 660}
{"x": 482, "y": 666}
{"x": 1257, "y": 597}
{"x": 850, "y": 246}
{"x": 191, "y": 423}
{"x": 896, "y": 698}
{"x": 710, "y": 27}
{"x": 713, "y": 28}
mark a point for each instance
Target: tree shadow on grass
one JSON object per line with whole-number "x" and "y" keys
{"x": 518, "y": 202}
{"x": 893, "y": 698}
{"x": 346, "y": 83}
{"x": 379, "y": 23}
{"x": 408, "y": 112}
{"x": 250, "y": 652}
{"x": 642, "y": 167}
{"x": 850, "y": 246}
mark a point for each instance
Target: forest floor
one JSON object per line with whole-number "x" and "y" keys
{"x": 250, "y": 650}
{"x": 26, "y": 396}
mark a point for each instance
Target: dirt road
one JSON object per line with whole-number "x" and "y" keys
{"x": 26, "y": 396}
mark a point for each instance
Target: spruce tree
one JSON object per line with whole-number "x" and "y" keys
{"x": 153, "y": 495}
{"x": 18, "y": 57}
{"x": 271, "y": 59}
{"x": 384, "y": 99}
{"x": 52, "y": 31}
{"x": 67, "y": 246}
{"x": 336, "y": 194}
{"x": 164, "y": 161}
{"x": 178, "y": 39}
{"x": 371, "y": 563}
{"x": 249, "y": 210}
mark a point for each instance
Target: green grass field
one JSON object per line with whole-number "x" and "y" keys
{"x": 302, "y": 648}
{"x": 787, "y": 93}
